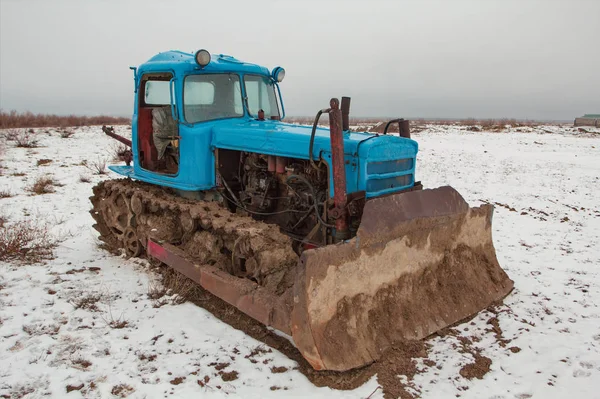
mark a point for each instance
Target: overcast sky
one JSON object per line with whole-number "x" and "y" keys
{"x": 447, "y": 59}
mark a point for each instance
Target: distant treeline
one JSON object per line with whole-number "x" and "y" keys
{"x": 307, "y": 120}
{"x": 14, "y": 119}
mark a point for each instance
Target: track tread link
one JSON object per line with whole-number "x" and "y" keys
{"x": 268, "y": 253}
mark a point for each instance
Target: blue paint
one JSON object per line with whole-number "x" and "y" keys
{"x": 198, "y": 141}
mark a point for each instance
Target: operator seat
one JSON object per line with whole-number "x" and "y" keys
{"x": 165, "y": 135}
{"x": 164, "y": 129}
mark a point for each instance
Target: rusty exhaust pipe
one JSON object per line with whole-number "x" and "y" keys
{"x": 339, "y": 170}
{"x": 403, "y": 127}
{"x": 345, "y": 113}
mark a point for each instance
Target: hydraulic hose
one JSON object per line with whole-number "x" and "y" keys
{"x": 312, "y": 136}
{"x": 312, "y": 191}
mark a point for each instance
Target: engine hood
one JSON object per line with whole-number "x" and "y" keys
{"x": 284, "y": 139}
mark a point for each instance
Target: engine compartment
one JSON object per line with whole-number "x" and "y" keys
{"x": 288, "y": 192}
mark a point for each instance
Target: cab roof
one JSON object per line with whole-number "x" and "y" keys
{"x": 182, "y": 62}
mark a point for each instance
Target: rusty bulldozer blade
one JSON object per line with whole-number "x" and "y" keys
{"x": 421, "y": 261}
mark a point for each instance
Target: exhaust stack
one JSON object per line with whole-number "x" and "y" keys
{"x": 345, "y": 113}
{"x": 339, "y": 169}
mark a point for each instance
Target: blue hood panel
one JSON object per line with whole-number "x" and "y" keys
{"x": 376, "y": 164}
{"x": 284, "y": 139}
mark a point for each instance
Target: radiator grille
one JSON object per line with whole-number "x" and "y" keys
{"x": 401, "y": 181}
{"x": 397, "y": 165}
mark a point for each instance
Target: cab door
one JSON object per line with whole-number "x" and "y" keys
{"x": 158, "y": 128}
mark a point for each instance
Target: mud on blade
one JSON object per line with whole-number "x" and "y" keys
{"x": 421, "y": 261}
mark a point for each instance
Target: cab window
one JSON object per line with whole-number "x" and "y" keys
{"x": 211, "y": 96}
{"x": 260, "y": 92}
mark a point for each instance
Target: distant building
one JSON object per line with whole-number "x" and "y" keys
{"x": 588, "y": 120}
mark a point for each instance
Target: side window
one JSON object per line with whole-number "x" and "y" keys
{"x": 260, "y": 92}
{"x": 156, "y": 92}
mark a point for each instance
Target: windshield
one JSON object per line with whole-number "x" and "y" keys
{"x": 260, "y": 92}
{"x": 212, "y": 96}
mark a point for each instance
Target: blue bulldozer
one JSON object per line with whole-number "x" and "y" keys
{"x": 321, "y": 233}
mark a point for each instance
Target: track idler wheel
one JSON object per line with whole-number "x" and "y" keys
{"x": 131, "y": 243}
{"x": 117, "y": 214}
{"x": 137, "y": 206}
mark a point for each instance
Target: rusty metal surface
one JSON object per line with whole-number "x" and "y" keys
{"x": 280, "y": 164}
{"x": 271, "y": 163}
{"x": 345, "y": 113}
{"x": 110, "y": 131}
{"x": 242, "y": 293}
{"x": 403, "y": 127}
{"x": 387, "y": 213}
{"x": 410, "y": 272}
{"x": 339, "y": 170}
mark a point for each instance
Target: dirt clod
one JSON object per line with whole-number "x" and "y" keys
{"x": 229, "y": 376}
{"x": 514, "y": 349}
{"x": 396, "y": 361}
{"x": 478, "y": 368}
{"x": 177, "y": 380}
{"x": 280, "y": 369}
{"x": 219, "y": 366}
{"x": 493, "y": 321}
{"x": 74, "y": 387}
{"x": 82, "y": 363}
{"x": 122, "y": 390}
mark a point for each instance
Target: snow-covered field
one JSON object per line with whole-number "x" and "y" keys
{"x": 57, "y": 320}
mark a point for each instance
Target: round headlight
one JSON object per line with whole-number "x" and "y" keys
{"x": 278, "y": 74}
{"x": 202, "y": 57}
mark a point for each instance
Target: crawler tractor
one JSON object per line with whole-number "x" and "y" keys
{"x": 322, "y": 234}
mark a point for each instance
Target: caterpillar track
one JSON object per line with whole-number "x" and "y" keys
{"x": 128, "y": 213}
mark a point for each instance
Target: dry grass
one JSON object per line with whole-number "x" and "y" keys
{"x": 67, "y": 133}
{"x": 14, "y": 119}
{"x": 27, "y": 241}
{"x": 43, "y": 162}
{"x": 177, "y": 283}
{"x": 43, "y": 185}
{"x": 5, "y": 194}
{"x": 98, "y": 167}
{"x": 120, "y": 152}
{"x": 81, "y": 363}
{"x": 122, "y": 390}
{"x": 26, "y": 139}
{"x": 85, "y": 178}
{"x": 156, "y": 290}
{"x": 37, "y": 329}
{"x": 87, "y": 302}
{"x": 11, "y": 134}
